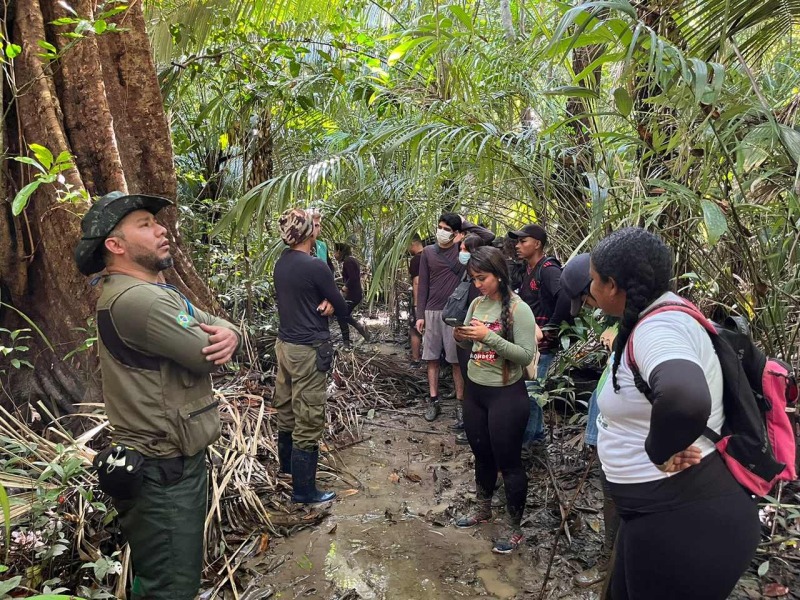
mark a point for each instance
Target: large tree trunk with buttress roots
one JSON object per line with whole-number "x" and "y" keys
{"x": 99, "y": 101}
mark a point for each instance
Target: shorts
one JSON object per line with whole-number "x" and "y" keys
{"x": 437, "y": 337}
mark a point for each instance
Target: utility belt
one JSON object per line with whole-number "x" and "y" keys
{"x": 120, "y": 470}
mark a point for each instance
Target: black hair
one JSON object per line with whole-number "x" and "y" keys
{"x": 343, "y": 248}
{"x": 452, "y": 220}
{"x": 641, "y": 264}
{"x": 486, "y": 259}
{"x": 416, "y": 239}
{"x": 472, "y": 242}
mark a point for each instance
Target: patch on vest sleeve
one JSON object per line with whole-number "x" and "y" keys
{"x": 183, "y": 319}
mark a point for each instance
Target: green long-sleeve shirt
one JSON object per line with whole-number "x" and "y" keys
{"x": 486, "y": 358}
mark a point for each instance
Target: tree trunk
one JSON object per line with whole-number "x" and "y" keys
{"x": 99, "y": 101}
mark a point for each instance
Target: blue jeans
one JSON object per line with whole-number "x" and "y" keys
{"x": 590, "y": 439}
{"x": 534, "y": 432}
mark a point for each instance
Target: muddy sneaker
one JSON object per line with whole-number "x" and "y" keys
{"x": 481, "y": 514}
{"x": 461, "y": 439}
{"x": 432, "y": 411}
{"x": 507, "y": 545}
{"x": 415, "y": 364}
{"x": 459, "y": 424}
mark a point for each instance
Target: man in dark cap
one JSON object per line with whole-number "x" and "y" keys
{"x": 307, "y": 295}
{"x": 540, "y": 289}
{"x": 156, "y": 351}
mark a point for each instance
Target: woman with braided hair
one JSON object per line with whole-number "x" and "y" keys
{"x": 689, "y": 530}
{"x": 500, "y": 332}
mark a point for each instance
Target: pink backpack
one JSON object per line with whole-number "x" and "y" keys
{"x": 758, "y": 439}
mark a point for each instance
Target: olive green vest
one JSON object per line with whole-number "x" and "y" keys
{"x": 155, "y": 405}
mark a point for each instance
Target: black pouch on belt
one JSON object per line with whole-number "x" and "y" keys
{"x": 324, "y": 356}
{"x": 120, "y": 471}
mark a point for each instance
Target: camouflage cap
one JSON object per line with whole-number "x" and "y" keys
{"x": 100, "y": 220}
{"x": 296, "y": 226}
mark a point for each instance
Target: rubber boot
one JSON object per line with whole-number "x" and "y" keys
{"x": 362, "y": 330}
{"x": 304, "y": 478}
{"x": 512, "y": 535}
{"x": 346, "y": 343}
{"x": 285, "y": 452}
{"x": 481, "y": 514}
{"x": 459, "y": 424}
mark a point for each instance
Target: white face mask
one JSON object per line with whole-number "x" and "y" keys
{"x": 443, "y": 236}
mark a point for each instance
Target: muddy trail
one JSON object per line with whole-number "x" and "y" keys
{"x": 389, "y": 535}
{"x": 393, "y": 537}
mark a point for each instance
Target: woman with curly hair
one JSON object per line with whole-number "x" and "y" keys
{"x": 501, "y": 334}
{"x": 689, "y": 530}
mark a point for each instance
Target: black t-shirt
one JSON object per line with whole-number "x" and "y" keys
{"x": 351, "y": 275}
{"x": 540, "y": 289}
{"x": 413, "y": 268}
{"x": 302, "y": 282}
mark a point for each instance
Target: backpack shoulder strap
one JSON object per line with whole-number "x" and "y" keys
{"x": 685, "y": 307}
{"x": 544, "y": 263}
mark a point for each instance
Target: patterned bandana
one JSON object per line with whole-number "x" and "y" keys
{"x": 296, "y": 226}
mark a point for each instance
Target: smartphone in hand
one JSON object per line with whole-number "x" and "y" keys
{"x": 453, "y": 322}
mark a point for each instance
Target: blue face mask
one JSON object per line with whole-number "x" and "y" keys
{"x": 463, "y": 257}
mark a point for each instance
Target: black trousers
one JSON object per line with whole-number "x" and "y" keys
{"x": 345, "y": 322}
{"x": 695, "y": 552}
{"x": 494, "y": 421}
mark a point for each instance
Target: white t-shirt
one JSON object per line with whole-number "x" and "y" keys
{"x": 624, "y": 421}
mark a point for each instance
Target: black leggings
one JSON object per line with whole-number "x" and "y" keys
{"x": 345, "y": 322}
{"x": 494, "y": 421}
{"x": 696, "y": 552}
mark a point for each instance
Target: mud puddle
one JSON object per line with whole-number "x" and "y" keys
{"x": 393, "y": 539}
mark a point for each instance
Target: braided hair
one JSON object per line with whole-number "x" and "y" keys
{"x": 487, "y": 259}
{"x": 641, "y": 264}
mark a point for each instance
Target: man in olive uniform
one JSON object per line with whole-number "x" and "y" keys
{"x": 156, "y": 353}
{"x": 306, "y": 295}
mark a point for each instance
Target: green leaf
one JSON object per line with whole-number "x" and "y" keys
{"x": 763, "y": 568}
{"x": 460, "y": 14}
{"x": 42, "y": 154}
{"x": 9, "y": 584}
{"x": 791, "y": 141}
{"x": 29, "y": 161}
{"x": 716, "y": 224}
{"x": 573, "y": 91}
{"x": 65, "y": 21}
{"x": 15, "y": 363}
{"x": 47, "y": 46}
{"x": 6, "y": 507}
{"x": 623, "y": 101}
{"x": 100, "y": 26}
{"x": 13, "y": 50}
{"x": 22, "y": 197}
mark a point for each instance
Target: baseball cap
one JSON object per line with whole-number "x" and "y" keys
{"x": 532, "y": 230}
{"x": 575, "y": 281}
{"x": 101, "y": 219}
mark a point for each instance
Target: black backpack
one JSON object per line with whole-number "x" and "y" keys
{"x": 458, "y": 302}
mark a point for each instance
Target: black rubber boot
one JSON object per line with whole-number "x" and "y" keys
{"x": 459, "y": 424}
{"x": 362, "y": 330}
{"x": 285, "y": 451}
{"x": 304, "y": 478}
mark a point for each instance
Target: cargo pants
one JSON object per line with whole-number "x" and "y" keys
{"x": 299, "y": 398}
{"x": 164, "y": 527}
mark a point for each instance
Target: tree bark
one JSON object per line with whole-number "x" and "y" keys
{"x": 100, "y": 102}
